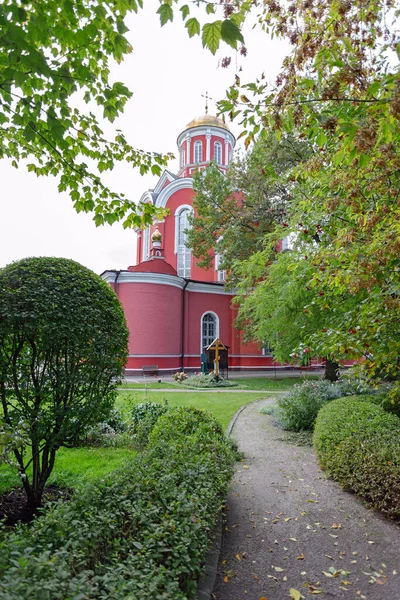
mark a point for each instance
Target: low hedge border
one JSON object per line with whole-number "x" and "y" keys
{"x": 143, "y": 532}
{"x": 358, "y": 444}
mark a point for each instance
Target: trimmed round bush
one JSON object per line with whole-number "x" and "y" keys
{"x": 358, "y": 445}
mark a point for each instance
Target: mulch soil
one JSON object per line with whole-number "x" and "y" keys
{"x": 14, "y": 509}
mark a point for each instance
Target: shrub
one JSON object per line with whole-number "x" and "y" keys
{"x": 358, "y": 445}
{"x": 208, "y": 381}
{"x": 63, "y": 347}
{"x": 144, "y": 417}
{"x": 298, "y": 409}
{"x": 141, "y": 533}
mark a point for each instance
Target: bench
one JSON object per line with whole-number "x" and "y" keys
{"x": 150, "y": 370}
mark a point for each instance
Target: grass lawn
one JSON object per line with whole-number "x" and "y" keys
{"x": 222, "y": 404}
{"x": 278, "y": 383}
{"x": 74, "y": 466}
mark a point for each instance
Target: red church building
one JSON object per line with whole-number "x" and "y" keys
{"x": 173, "y": 307}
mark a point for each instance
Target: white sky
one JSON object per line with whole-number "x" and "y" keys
{"x": 167, "y": 73}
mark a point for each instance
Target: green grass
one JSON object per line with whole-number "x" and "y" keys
{"x": 278, "y": 383}
{"x": 74, "y": 466}
{"x": 148, "y": 383}
{"x": 222, "y": 404}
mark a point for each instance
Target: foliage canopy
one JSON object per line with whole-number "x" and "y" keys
{"x": 63, "y": 346}
{"x": 54, "y": 56}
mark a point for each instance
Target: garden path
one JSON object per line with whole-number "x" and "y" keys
{"x": 289, "y": 530}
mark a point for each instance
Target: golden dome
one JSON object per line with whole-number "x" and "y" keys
{"x": 207, "y": 120}
{"x": 157, "y": 236}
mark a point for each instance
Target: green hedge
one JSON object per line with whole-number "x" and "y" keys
{"x": 358, "y": 445}
{"x": 141, "y": 533}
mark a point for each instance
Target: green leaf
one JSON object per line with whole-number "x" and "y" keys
{"x": 193, "y": 27}
{"x": 185, "y": 11}
{"x": 231, "y": 33}
{"x": 211, "y": 36}
{"x": 210, "y": 10}
{"x": 321, "y": 139}
{"x": 166, "y": 14}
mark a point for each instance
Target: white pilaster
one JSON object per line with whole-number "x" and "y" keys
{"x": 227, "y": 152}
{"x": 208, "y": 148}
{"x": 188, "y": 160}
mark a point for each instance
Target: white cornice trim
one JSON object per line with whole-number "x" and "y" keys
{"x": 146, "y": 197}
{"x": 207, "y": 288}
{"x": 164, "y": 279}
{"x": 139, "y": 277}
{"x": 165, "y": 178}
{"x": 179, "y": 184}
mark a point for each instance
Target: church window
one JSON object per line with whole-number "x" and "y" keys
{"x": 209, "y": 329}
{"x": 182, "y": 156}
{"x": 218, "y": 153}
{"x": 198, "y": 152}
{"x": 184, "y": 253}
{"x": 220, "y": 272}
{"x": 146, "y": 243}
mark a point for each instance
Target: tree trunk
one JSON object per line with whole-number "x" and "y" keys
{"x": 331, "y": 370}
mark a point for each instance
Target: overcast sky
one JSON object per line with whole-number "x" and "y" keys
{"x": 167, "y": 73}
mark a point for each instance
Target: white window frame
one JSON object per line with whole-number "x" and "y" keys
{"x": 208, "y": 312}
{"x": 184, "y": 253}
{"x": 220, "y": 272}
{"x": 146, "y": 244}
{"x": 218, "y": 153}
{"x": 198, "y": 152}
{"x": 183, "y": 156}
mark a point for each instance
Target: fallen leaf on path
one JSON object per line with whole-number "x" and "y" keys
{"x": 238, "y": 556}
{"x": 288, "y": 519}
{"x": 334, "y": 536}
{"x": 315, "y": 592}
{"x": 245, "y": 467}
{"x": 293, "y": 539}
{"x": 336, "y": 526}
{"x": 295, "y": 594}
{"x": 256, "y": 577}
{"x": 263, "y": 598}
{"x": 301, "y": 557}
{"x": 277, "y": 569}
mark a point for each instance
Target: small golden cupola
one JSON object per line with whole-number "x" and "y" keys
{"x": 156, "y": 242}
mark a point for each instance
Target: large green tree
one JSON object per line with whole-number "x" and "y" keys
{"x": 233, "y": 213}
{"x": 55, "y": 56}
{"x": 63, "y": 347}
{"x": 339, "y": 88}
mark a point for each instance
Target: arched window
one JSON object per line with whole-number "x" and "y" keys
{"x": 183, "y": 251}
{"x": 220, "y": 272}
{"x": 209, "y": 329}
{"x": 218, "y": 153}
{"x": 146, "y": 243}
{"x": 198, "y": 152}
{"x": 182, "y": 156}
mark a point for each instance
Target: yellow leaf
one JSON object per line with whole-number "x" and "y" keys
{"x": 301, "y": 557}
{"x": 238, "y": 556}
{"x": 245, "y": 467}
{"x": 277, "y": 568}
{"x": 263, "y": 598}
{"x": 226, "y": 579}
{"x": 316, "y": 592}
{"x": 295, "y": 594}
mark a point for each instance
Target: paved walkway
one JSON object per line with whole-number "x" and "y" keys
{"x": 287, "y": 527}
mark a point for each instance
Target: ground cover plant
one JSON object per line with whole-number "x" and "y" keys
{"x": 222, "y": 404}
{"x": 141, "y": 533}
{"x": 202, "y": 380}
{"x": 298, "y": 409}
{"x": 358, "y": 444}
{"x": 63, "y": 347}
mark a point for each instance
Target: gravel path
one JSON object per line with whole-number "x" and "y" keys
{"x": 287, "y": 527}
